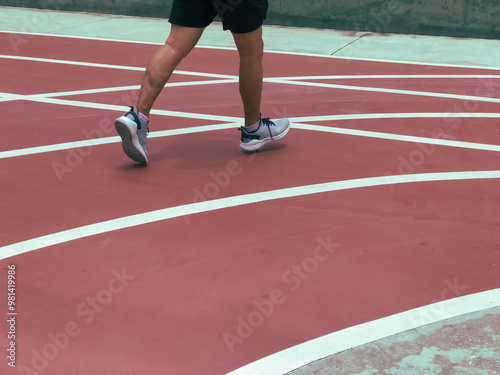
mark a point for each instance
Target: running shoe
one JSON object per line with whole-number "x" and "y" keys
{"x": 268, "y": 131}
{"x": 133, "y": 133}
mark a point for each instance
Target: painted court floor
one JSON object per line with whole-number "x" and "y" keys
{"x": 364, "y": 242}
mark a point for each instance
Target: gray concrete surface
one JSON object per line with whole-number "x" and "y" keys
{"x": 467, "y": 345}
{"x": 349, "y": 44}
{"x": 464, "y": 18}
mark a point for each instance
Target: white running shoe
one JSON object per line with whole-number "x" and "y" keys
{"x": 133, "y": 133}
{"x": 268, "y": 131}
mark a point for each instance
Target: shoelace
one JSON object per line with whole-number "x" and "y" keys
{"x": 264, "y": 121}
{"x": 267, "y": 122}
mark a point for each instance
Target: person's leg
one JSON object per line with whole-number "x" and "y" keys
{"x": 251, "y": 49}
{"x": 257, "y": 131}
{"x": 178, "y": 45}
{"x": 188, "y": 18}
{"x": 133, "y": 126}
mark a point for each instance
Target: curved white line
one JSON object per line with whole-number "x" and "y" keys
{"x": 217, "y": 204}
{"x": 298, "y": 356}
{"x": 314, "y": 350}
{"x": 319, "y": 128}
{"x": 476, "y": 302}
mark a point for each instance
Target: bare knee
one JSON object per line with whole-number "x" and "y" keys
{"x": 250, "y": 45}
{"x": 254, "y": 49}
{"x": 182, "y": 40}
{"x": 177, "y": 49}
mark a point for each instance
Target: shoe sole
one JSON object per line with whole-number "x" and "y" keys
{"x": 254, "y": 146}
{"x": 130, "y": 142}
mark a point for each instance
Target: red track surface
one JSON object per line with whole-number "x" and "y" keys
{"x": 194, "y": 279}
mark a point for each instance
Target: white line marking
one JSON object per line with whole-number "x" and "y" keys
{"x": 369, "y": 332}
{"x": 69, "y": 62}
{"x": 399, "y": 137}
{"x": 113, "y": 89}
{"x": 109, "y": 140}
{"x": 88, "y": 91}
{"x": 58, "y": 147}
{"x": 350, "y": 337}
{"x": 194, "y": 129}
{"x": 110, "y": 66}
{"x": 134, "y": 87}
{"x": 40, "y": 98}
{"x": 7, "y": 96}
{"x": 294, "y": 81}
{"x": 291, "y": 81}
{"x": 299, "y": 356}
{"x": 284, "y": 80}
{"x": 270, "y": 79}
{"x": 390, "y": 76}
{"x": 387, "y": 91}
{"x": 402, "y": 115}
{"x": 295, "y": 125}
{"x": 267, "y": 51}
{"x": 217, "y": 204}
{"x": 79, "y": 37}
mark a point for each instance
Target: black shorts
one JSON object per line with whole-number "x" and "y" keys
{"x": 239, "y": 16}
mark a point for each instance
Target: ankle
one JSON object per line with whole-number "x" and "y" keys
{"x": 253, "y": 127}
{"x": 143, "y": 111}
{"x": 143, "y": 117}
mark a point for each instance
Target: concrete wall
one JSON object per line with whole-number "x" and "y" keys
{"x": 462, "y": 18}
{"x": 465, "y": 18}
